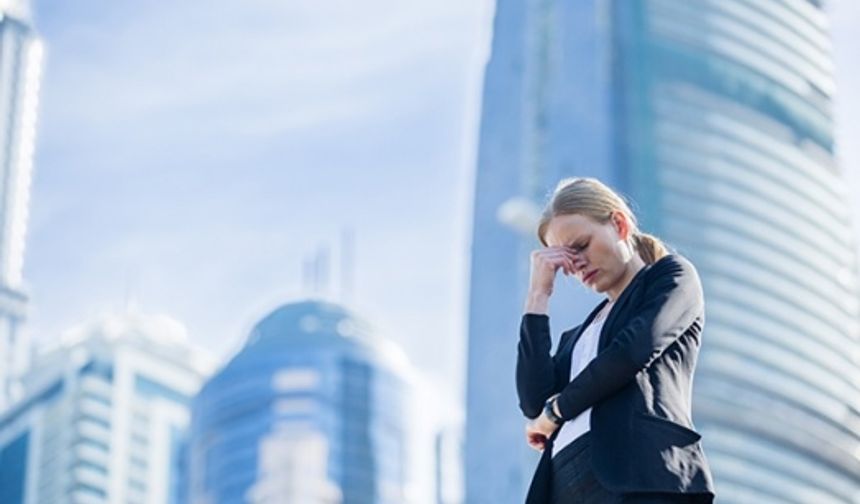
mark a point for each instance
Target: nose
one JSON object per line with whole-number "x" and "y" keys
{"x": 579, "y": 263}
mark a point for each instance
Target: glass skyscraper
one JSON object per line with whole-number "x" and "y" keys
{"x": 104, "y": 417}
{"x": 715, "y": 118}
{"x": 312, "y": 409}
{"x": 20, "y": 67}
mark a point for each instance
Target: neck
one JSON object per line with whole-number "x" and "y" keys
{"x": 633, "y": 267}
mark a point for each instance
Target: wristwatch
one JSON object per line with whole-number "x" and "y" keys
{"x": 550, "y": 412}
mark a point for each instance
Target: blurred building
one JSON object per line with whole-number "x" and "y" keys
{"x": 313, "y": 409}
{"x": 715, "y": 117}
{"x": 449, "y": 465}
{"x": 104, "y": 417}
{"x": 20, "y": 66}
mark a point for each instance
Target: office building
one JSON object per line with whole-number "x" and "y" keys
{"x": 715, "y": 119}
{"x": 104, "y": 416}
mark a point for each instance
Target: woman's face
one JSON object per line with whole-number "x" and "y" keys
{"x": 600, "y": 264}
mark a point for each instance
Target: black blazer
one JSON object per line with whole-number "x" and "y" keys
{"x": 639, "y": 386}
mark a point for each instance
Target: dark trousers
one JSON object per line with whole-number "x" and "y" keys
{"x": 573, "y": 481}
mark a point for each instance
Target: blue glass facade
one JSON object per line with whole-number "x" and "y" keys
{"x": 733, "y": 107}
{"x": 313, "y": 368}
{"x": 714, "y": 117}
{"x": 546, "y": 109}
{"x": 13, "y": 469}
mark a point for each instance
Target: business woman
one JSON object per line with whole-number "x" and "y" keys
{"x": 611, "y": 408}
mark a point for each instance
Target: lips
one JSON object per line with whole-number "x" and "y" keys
{"x": 587, "y": 278}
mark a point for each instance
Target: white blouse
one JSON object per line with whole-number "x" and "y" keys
{"x": 583, "y": 352}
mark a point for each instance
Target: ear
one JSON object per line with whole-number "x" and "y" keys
{"x": 619, "y": 221}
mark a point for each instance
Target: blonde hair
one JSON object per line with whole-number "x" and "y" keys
{"x": 592, "y": 198}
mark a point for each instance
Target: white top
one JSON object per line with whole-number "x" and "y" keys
{"x": 584, "y": 351}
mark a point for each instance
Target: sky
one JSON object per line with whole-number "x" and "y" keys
{"x": 845, "y": 18}
{"x": 191, "y": 156}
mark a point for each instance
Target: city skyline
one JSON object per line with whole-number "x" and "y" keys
{"x": 110, "y": 120}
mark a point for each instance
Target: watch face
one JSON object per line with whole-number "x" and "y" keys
{"x": 550, "y": 413}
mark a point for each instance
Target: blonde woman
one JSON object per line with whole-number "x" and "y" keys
{"x": 611, "y": 408}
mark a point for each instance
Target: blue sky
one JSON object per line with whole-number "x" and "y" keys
{"x": 191, "y": 155}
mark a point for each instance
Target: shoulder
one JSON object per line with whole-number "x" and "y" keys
{"x": 674, "y": 272}
{"x": 673, "y": 264}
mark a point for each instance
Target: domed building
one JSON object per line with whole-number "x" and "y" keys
{"x": 311, "y": 410}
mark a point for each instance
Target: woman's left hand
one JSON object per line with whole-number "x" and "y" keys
{"x": 538, "y": 430}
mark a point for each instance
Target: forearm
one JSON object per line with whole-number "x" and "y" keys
{"x": 599, "y": 380}
{"x": 535, "y": 372}
{"x": 537, "y": 302}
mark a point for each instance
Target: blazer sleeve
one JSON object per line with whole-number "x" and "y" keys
{"x": 673, "y": 300}
{"x": 537, "y": 371}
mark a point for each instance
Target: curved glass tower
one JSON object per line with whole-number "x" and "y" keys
{"x": 310, "y": 410}
{"x": 731, "y": 144}
{"x": 715, "y": 118}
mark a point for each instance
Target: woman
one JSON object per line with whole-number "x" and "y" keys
{"x": 611, "y": 409}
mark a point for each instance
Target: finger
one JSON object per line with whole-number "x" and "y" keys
{"x": 537, "y": 445}
{"x": 559, "y": 259}
{"x": 555, "y": 262}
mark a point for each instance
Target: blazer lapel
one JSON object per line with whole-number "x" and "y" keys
{"x": 619, "y": 307}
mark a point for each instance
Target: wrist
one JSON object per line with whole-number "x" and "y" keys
{"x": 537, "y": 302}
{"x": 550, "y": 411}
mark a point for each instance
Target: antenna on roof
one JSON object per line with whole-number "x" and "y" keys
{"x": 347, "y": 251}
{"x": 307, "y": 275}
{"x": 322, "y": 272}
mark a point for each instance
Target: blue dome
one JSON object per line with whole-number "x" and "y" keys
{"x": 316, "y": 326}
{"x": 307, "y": 324}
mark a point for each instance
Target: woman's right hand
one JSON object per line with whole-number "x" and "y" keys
{"x": 545, "y": 263}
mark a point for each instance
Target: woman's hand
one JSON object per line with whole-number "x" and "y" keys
{"x": 545, "y": 263}
{"x": 538, "y": 430}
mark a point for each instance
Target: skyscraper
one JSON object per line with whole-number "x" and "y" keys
{"x": 546, "y": 115}
{"x": 312, "y": 409}
{"x": 715, "y": 118}
{"x": 104, "y": 417}
{"x": 20, "y": 66}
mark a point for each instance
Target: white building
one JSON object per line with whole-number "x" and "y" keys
{"x": 20, "y": 67}
{"x": 104, "y": 416}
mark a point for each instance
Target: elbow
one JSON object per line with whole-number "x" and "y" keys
{"x": 531, "y": 410}
{"x": 531, "y": 399}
